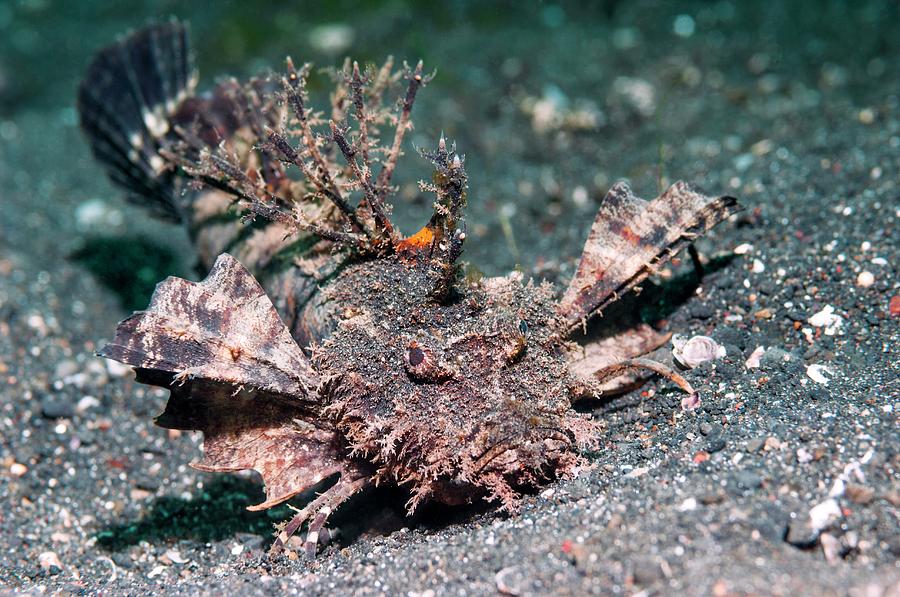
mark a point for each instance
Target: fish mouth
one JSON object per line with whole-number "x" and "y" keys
{"x": 530, "y": 456}
{"x": 507, "y": 466}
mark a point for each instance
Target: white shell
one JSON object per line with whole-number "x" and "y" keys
{"x": 817, "y": 373}
{"x": 828, "y": 320}
{"x": 699, "y": 349}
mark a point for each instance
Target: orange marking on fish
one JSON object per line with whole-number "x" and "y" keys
{"x": 417, "y": 242}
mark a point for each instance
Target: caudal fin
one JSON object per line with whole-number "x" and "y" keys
{"x": 131, "y": 91}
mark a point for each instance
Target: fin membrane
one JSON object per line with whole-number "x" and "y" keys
{"x": 126, "y": 101}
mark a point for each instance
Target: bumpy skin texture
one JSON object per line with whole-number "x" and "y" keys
{"x": 360, "y": 354}
{"x": 458, "y": 399}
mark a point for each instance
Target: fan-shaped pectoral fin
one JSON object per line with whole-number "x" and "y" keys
{"x": 632, "y": 238}
{"x": 222, "y": 329}
{"x": 236, "y": 374}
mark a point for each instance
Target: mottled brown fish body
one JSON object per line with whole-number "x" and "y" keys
{"x": 323, "y": 345}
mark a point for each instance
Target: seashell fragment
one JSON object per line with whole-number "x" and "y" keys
{"x": 827, "y": 319}
{"x": 699, "y": 349}
{"x": 817, "y": 373}
{"x": 752, "y": 361}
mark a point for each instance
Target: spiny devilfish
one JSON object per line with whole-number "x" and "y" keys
{"x": 351, "y": 353}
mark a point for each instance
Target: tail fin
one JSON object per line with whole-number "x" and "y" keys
{"x": 130, "y": 92}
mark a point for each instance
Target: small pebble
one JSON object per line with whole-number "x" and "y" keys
{"x": 894, "y": 305}
{"x": 823, "y": 514}
{"x": 53, "y": 407}
{"x": 795, "y": 315}
{"x": 801, "y": 534}
{"x": 865, "y": 279}
{"x": 17, "y": 469}
{"x": 580, "y": 196}
{"x": 49, "y": 561}
{"x": 637, "y": 94}
{"x": 702, "y": 311}
{"x": 752, "y": 361}
{"x": 247, "y": 542}
{"x": 762, "y": 147}
{"x": 638, "y": 472}
{"x": 746, "y": 481}
{"x": 715, "y": 443}
{"x": 87, "y": 402}
{"x": 831, "y": 548}
{"x": 688, "y": 505}
{"x": 138, "y": 495}
{"x": 826, "y": 318}
{"x": 331, "y": 38}
{"x": 859, "y": 494}
{"x": 175, "y": 556}
{"x": 690, "y": 402}
{"x": 646, "y": 571}
{"x": 117, "y": 369}
{"x": 772, "y": 443}
{"x": 755, "y": 444}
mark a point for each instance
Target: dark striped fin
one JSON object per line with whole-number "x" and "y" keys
{"x": 126, "y": 102}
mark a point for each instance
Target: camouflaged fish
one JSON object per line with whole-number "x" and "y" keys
{"x": 325, "y": 348}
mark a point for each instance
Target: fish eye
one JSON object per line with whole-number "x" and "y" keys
{"x": 424, "y": 366}
{"x": 415, "y": 356}
{"x": 523, "y": 327}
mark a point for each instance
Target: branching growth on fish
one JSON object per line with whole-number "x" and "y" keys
{"x": 325, "y": 346}
{"x": 253, "y": 168}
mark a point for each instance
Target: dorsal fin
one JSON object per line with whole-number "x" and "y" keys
{"x": 126, "y": 103}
